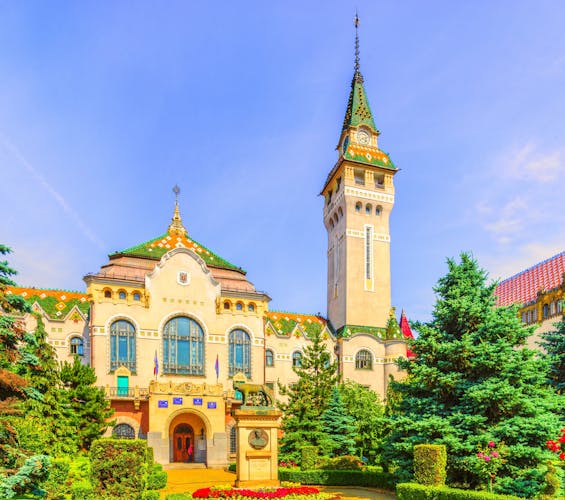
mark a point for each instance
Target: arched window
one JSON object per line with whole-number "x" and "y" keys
{"x": 240, "y": 353}
{"x": 358, "y": 206}
{"x": 77, "y": 346}
{"x": 340, "y": 212}
{"x": 297, "y": 358}
{"x": 251, "y": 307}
{"x": 123, "y": 431}
{"x": 545, "y": 311}
{"x": 378, "y": 210}
{"x": 226, "y": 305}
{"x": 122, "y": 345}
{"x": 108, "y": 294}
{"x": 364, "y": 360}
{"x": 136, "y": 296}
{"x": 559, "y": 307}
{"x": 332, "y": 223}
{"x": 335, "y": 218}
{"x": 183, "y": 347}
{"x": 122, "y": 295}
{"x": 368, "y": 208}
{"x": 269, "y": 358}
{"x": 239, "y": 306}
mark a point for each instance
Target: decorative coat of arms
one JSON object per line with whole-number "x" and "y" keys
{"x": 183, "y": 278}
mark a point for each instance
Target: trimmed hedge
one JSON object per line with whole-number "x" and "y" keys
{"x": 430, "y": 461}
{"x": 338, "y": 477}
{"x": 179, "y": 496}
{"x": 414, "y": 491}
{"x": 119, "y": 467}
{"x": 82, "y": 490}
{"x": 309, "y": 457}
{"x": 157, "y": 478}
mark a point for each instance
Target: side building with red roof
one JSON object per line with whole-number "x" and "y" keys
{"x": 539, "y": 291}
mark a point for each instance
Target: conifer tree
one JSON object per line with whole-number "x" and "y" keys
{"x": 339, "y": 428}
{"x": 473, "y": 382}
{"x": 19, "y": 472}
{"x": 307, "y": 399}
{"x": 90, "y": 409}
{"x": 368, "y": 414}
{"x": 554, "y": 344}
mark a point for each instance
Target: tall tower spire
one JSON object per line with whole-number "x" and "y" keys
{"x": 359, "y": 196}
{"x": 176, "y": 226}
{"x": 357, "y": 67}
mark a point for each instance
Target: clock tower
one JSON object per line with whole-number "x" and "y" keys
{"x": 358, "y": 198}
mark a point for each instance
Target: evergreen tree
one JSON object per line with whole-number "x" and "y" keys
{"x": 554, "y": 344}
{"x": 307, "y": 399}
{"x": 473, "y": 381}
{"x": 368, "y": 414}
{"x": 90, "y": 409}
{"x": 19, "y": 472}
{"x": 339, "y": 428}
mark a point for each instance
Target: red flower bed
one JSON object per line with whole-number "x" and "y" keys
{"x": 235, "y": 492}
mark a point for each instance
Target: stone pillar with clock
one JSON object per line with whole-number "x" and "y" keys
{"x": 257, "y": 446}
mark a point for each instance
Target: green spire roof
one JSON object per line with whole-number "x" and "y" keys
{"x": 358, "y": 110}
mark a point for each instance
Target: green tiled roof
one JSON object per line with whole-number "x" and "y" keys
{"x": 57, "y": 304}
{"x": 157, "y": 247}
{"x": 285, "y": 323}
{"x": 375, "y": 157}
{"x": 358, "y": 111}
{"x": 347, "y": 331}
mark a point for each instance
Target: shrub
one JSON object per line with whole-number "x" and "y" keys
{"x": 413, "y": 491}
{"x": 232, "y": 467}
{"x": 347, "y": 462}
{"x": 82, "y": 490}
{"x": 179, "y": 496}
{"x": 150, "y": 495}
{"x": 339, "y": 478}
{"x": 429, "y": 464}
{"x": 552, "y": 483}
{"x": 119, "y": 467}
{"x": 157, "y": 478}
{"x": 58, "y": 485}
{"x": 309, "y": 457}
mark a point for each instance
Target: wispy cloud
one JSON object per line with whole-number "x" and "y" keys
{"x": 11, "y": 149}
{"x": 530, "y": 164}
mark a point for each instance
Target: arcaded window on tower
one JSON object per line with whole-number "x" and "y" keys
{"x": 368, "y": 208}
{"x": 183, "y": 347}
{"x": 122, "y": 345}
{"x": 378, "y": 210}
{"x": 379, "y": 181}
{"x": 364, "y": 360}
{"x": 358, "y": 206}
{"x": 297, "y": 358}
{"x": 240, "y": 353}
{"x": 359, "y": 176}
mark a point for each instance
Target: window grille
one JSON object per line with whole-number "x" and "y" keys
{"x": 123, "y": 431}
{"x": 364, "y": 360}
{"x": 240, "y": 353}
{"x": 122, "y": 345}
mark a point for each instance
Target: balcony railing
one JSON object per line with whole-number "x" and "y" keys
{"x": 135, "y": 394}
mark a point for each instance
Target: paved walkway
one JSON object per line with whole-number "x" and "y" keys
{"x": 188, "y": 480}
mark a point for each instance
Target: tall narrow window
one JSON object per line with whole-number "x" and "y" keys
{"x": 122, "y": 345}
{"x": 77, "y": 346}
{"x": 183, "y": 347}
{"x": 240, "y": 353}
{"x": 368, "y": 253}
{"x": 269, "y": 358}
{"x": 297, "y": 358}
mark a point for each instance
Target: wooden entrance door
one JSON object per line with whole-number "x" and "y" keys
{"x": 183, "y": 443}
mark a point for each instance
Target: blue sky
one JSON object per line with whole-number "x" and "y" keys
{"x": 104, "y": 106}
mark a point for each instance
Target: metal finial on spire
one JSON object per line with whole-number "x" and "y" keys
{"x": 176, "y": 226}
{"x": 356, "y": 23}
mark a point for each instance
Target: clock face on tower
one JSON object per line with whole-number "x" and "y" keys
{"x": 363, "y": 137}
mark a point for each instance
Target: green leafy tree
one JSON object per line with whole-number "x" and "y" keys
{"x": 368, "y": 413}
{"x": 90, "y": 410}
{"x": 19, "y": 472}
{"x": 339, "y": 428}
{"x": 307, "y": 399}
{"x": 553, "y": 342}
{"x": 473, "y": 381}
{"x": 48, "y": 409}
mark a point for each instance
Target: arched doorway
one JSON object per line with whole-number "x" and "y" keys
{"x": 183, "y": 443}
{"x": 187, "y": 438}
